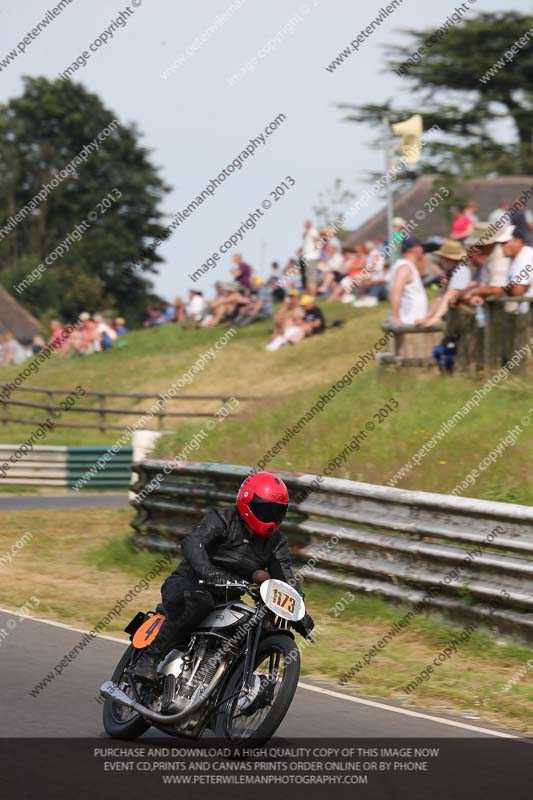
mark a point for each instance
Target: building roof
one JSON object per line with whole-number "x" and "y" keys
{"x": 488, "y": 193}
{"x": 15, "y": 318}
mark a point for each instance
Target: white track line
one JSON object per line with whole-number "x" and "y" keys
{"x": 338, "y": 695}
{"x": 406, "y": 712}
{"x": 62, "y": 625}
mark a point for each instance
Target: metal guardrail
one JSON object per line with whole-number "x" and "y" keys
{"x": 63, "y": 465}
{"x": 403, "y": 545}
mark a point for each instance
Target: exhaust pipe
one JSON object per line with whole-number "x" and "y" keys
{"x": 111, "y": 691}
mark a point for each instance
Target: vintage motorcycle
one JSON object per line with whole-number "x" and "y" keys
{"x": 237, "y": 677}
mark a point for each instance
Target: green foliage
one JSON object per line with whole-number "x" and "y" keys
{"x": 448, "y": 92}
{"x": 40, "y": 133}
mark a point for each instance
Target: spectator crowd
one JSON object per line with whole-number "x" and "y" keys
{"x": 477, "y": 259}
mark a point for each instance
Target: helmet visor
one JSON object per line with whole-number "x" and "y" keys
{"x": 266, "y": 511}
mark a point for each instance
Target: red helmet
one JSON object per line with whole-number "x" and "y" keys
{"x": 262, "y": 502}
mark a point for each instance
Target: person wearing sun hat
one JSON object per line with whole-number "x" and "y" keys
{"x": 260, "y": 305}
{"x": 519, "y": 279}
{"x": 456, "y": 279}
{"x": 314, "y": 321}
{"x": 487, "y": 259}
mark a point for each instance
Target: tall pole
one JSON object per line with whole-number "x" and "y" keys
{"x": 388, "y": 184}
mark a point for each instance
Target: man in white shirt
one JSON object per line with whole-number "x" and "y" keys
{"x": 407, "y": 294}
{"x": 311, "y": 253}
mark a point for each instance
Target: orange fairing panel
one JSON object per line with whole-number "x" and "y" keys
{"x": 146, "y": 634}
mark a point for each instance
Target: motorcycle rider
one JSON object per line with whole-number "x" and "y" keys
{"x": 227, "y": 544}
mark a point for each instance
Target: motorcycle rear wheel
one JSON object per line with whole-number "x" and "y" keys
{"x": 119, "y": 722}
{"x": 279, "y": 657}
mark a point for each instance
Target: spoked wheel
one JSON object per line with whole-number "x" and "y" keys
{"x": 121, "y": 722}
{"x": 256, "y": 716}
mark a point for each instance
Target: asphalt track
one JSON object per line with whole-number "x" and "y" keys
{"x": 69, "y": 501}
{"x": 67, "y": 707}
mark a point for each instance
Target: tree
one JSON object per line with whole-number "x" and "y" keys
{"x": 333, "y": 202}
{"x": 41, "y": 132}
{"x": 448, "y": 90}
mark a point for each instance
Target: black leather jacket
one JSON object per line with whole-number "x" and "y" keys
{"x": 221, "y": 541}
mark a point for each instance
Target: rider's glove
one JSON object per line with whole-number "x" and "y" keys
{"x": 304, "y": 626}
{"x": 215, "y": 576}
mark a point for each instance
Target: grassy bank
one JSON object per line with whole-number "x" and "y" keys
{"x": 79, "y": 563}
{"x": 288, "y": 383}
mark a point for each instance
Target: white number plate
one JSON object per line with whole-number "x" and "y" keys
{"x": 283, "y": 600}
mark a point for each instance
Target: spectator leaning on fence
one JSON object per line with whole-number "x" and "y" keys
{"x": 456, "y": 279}
{"x": 407, "y": 294}
{"x": 488, "y": 263}
{"x": 519, "y": 278}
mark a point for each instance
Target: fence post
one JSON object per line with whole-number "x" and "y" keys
{"x": 161, "y": 413}
{"x": 102, "y": 412}
{"x": 489, "y": 322}
{"x": 4, "y": 411}
{"x": 50, "y": 396}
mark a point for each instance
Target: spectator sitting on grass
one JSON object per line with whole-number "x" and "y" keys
{"x": 288, "y": 311}
{"x": 259, "y": 305}
{"x": 373, "y": 284}
{"x": 354, "y": 264}
{"x": 226, "y": 307}
{"x": 153, "y": 317}
{"x": 120, "y": 326}
{"x": 195, "y": 311}
{"x": 11, "y": 350}
{"x": 105, "y": 334}
{"x": 313, "y": 318}
{"x": 307, "y": 321}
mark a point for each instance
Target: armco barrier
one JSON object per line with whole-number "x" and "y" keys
{"x": 471, "y": 558}
{"x": 63, "y": 465}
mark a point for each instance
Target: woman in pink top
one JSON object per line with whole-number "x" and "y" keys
{"x": 462, "y": 224}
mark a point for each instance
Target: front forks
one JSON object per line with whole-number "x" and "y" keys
{"x": 252, "y": 642}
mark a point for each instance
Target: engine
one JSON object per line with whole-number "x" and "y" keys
{"x": 189, "y": 675}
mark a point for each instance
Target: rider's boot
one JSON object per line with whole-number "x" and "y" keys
{"x": 167, "y": 638}
{"x": 172, "y": 634}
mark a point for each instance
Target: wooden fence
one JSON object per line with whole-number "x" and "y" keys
{"x": 102, "y": 410}
{"x": 507, "y": 328}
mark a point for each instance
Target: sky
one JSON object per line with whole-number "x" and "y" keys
{"x": 197, "y": 120}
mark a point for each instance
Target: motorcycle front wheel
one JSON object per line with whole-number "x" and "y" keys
{"x": 255, "y": 717}
{"x": 120, "y": 722}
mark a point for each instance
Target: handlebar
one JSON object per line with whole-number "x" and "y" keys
{"x": 228, "y": 584}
